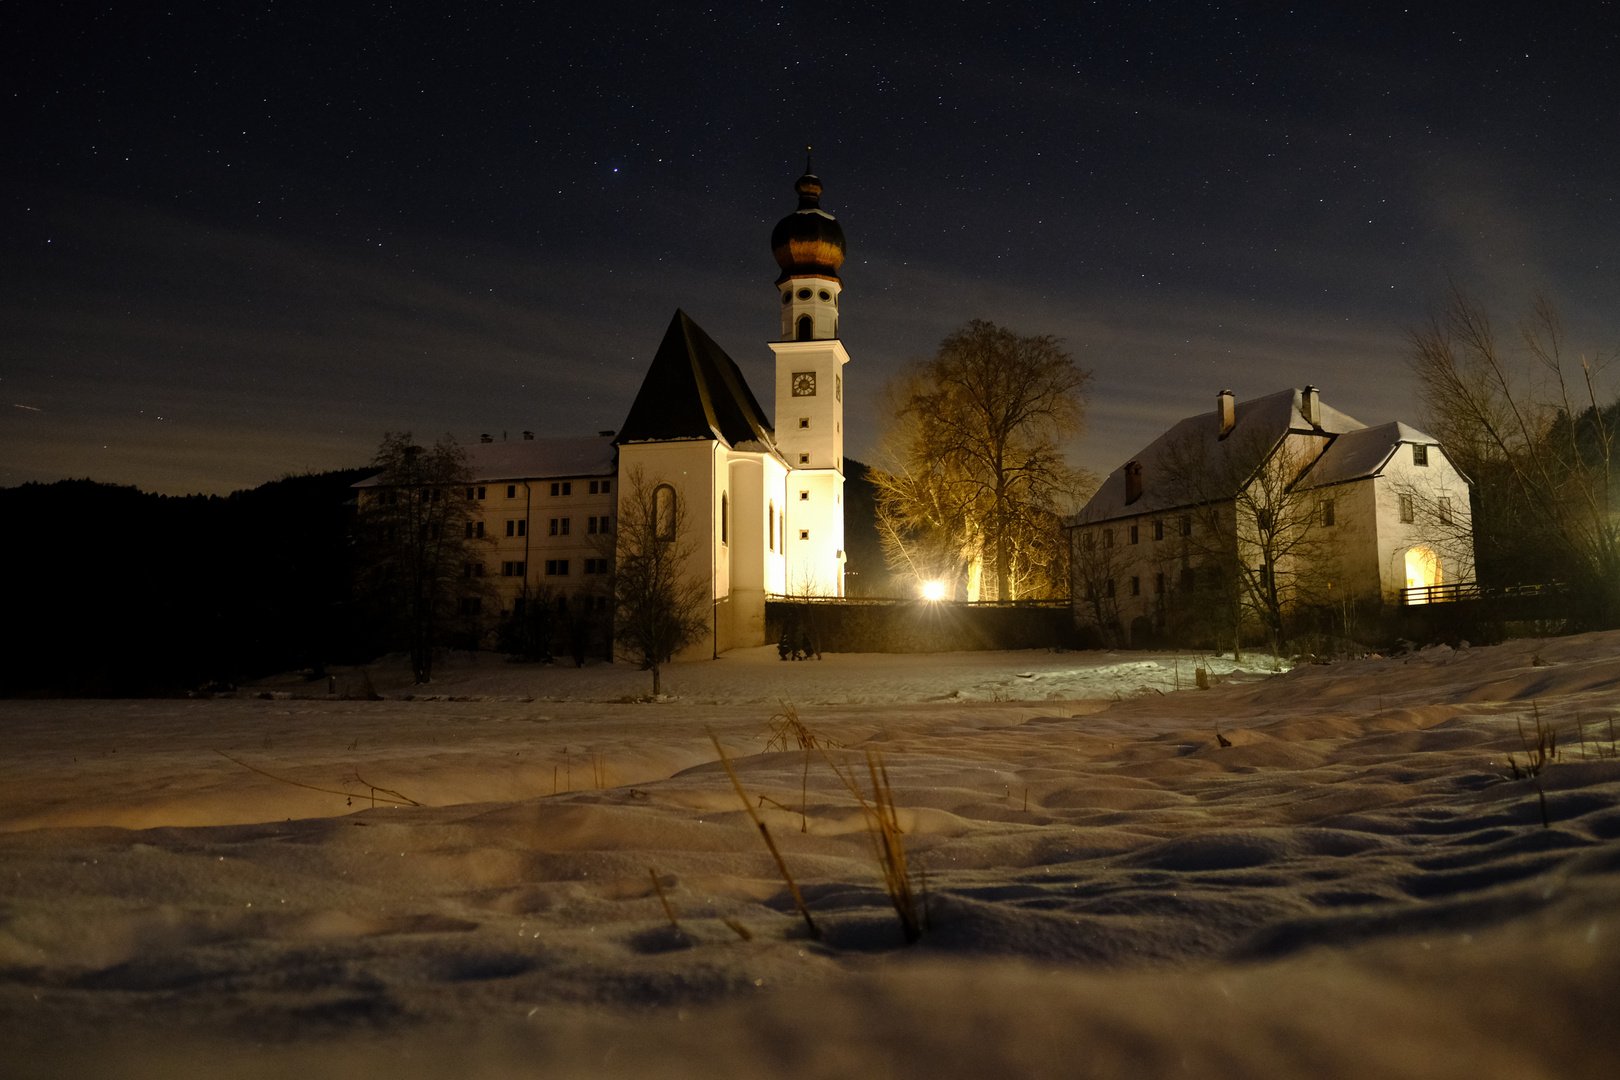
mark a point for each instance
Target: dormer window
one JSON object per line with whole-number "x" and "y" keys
{"x": 1420, "y": 455}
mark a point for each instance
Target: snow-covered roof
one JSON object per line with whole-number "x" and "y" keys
{"x": 533, "y": 459}
{"x": 1264, "y": 419}
{"x": 1358, "y": 454}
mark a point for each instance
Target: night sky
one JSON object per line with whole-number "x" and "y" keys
{"x": 243, "y": 241}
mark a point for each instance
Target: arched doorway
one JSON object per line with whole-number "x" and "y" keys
{"x": 1422, "y": 572}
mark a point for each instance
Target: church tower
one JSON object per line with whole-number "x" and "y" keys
{"x": 809, "y": 247}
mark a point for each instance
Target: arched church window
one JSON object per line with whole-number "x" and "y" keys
{"x": 806, "y": 329}
{"x": 664, "y": 512}
{"x": 725, "y": 532}
{"x": 770, "y": 533}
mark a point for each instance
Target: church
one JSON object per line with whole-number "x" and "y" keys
{"x": 763, "y": 501}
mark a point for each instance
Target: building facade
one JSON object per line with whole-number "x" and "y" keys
{"x": 1268, "y": 506}
{"x": 762, "y": 502}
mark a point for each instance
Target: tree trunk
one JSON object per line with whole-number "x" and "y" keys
{"x": 658, "y": 683}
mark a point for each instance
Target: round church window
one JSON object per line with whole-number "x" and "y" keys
{"x": 787, "y": 296}
{"x": 825, "y": 295}
{"x": 804, "y": 294}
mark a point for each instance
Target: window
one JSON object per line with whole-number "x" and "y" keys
{"x": 1262, "y": 518}
{"x": 470, "y": 605}
{"x": 804, "y": 422}
{"x": 1158, "y": 585}
{"x": 480, "y": 493}
{"x": 1135, "y": 534}
{"x": 1445, "y": 510}
{"x": 514, "y": 569}
{"x": 725, "y": 533}
{"x": 1408, "y": 509}
{"x": 554, "y": 526}
{"x": 1420, "y": 455}
{"x": 1186, "y": 525}
{"x": 601, "y": 603}
{"x": 607, "y": 487}
{"x": 596, "y": 566}
{"x": 565, "y": 522}
{"x": 557, "y": 567}
{"x": 470, "y": 493}
{"x": 596, "y": 487}
{"x": 770, "y": 531}
{"x": 511, "y": 527}
{"x": 517, "y": 605}
{"x": 804, "y": 330}
{"x": 1136, "y": 586}
{"x": 804, "y": 496}
{"x": 1158, "y": 530}
{"x": 604, "y": 524}
{"x": 838, "y": 387}
{"x": 1108, "y": 541}
{"x": 590, "y": 525}
{"x": 1090, "y": 541}
{"x": 1326, "y": 516}
{"x": 804, "y": 459}
{"x": 511, "y": 491}
{"x": 664, "y": 511}
{"x": 804, "y": 534}
{"x": 475, "y": 529}
{"x": 1189, "y": 579}
{"x": 1108, "y": 590}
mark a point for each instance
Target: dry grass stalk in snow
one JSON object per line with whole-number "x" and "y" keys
{"x": 658, "y": 887}
{"x": 786, "y": 728}
{"x": 883, "y": 825}
{"x": 388, "y": 795}
{"x": 781, "y": 864}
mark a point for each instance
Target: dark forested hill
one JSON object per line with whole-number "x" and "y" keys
{"x": 110, "y": 590}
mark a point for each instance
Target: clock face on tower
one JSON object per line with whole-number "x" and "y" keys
{"x": 804, "y": 384}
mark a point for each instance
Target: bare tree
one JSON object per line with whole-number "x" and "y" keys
{"x": 1098, "y": 566}
{"x": 976, "y": 474}
{"x": 659, "y": 608}
{"x": 1255, "y": 531}
{"x": 1535, "y": 429}
{"x": 418, "y": 555}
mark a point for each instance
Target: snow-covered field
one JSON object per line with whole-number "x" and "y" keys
{"x": 1354, "y": 887}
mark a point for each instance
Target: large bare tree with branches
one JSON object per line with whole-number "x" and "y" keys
{"x": 975, "y": 471}
{"x": 1534, "y": 427}
{"x": 659, "y": 606}
{"x": 1255, "y": 534}
{"x": 417, "y": 554}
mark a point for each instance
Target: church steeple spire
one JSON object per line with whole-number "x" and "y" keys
{"x": 809, "y": 247}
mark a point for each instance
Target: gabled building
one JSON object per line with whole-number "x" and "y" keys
{"x": 1276, "y": 503}
{"x": 763, "y": 502}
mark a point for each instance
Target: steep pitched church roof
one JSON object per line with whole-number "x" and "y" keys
{"x": 693, "y": 390}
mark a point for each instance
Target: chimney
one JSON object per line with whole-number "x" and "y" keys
{"x": 1225, "y": 412}
{"x": 1311, "y": 405}
{"x": 1133, "y": 481}
{"x": 486, "y": 437}
{"x": 528, "y": 436}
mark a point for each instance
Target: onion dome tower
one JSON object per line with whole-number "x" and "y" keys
{"x": 809, "y": 247}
